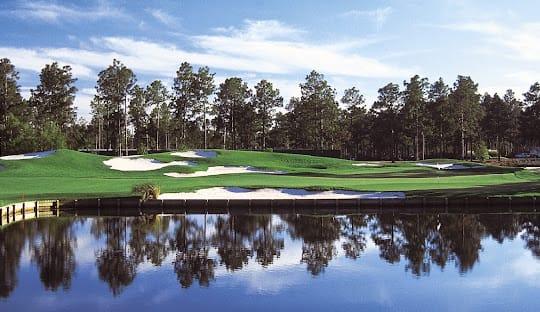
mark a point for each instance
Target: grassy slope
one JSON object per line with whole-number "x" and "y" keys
{"x": 72, "y": 174}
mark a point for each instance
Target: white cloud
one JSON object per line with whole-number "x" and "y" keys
{"x": 500, "y": 89}
{"x": 263, "y": 29}
{"x": 276, "y": 52}
{"x": 35, "y": 60}
{"x": 519, "y": 267}
{"x": 244, "y": 50}
{"x": 53, "y": 13}
{"x": 524, "y": 76}
{"x": 522, "y": 40}
{"x": 26, "y": 92}
{"x": 519, "y": 81}
{"x": 82, "y": 102}
{"x": 163, "y": 17}
{"x": 379, "y": 15}
{"x": 481, "y": 27}
{"x": 265, "y": 49}
{"x": 162, "y": 58}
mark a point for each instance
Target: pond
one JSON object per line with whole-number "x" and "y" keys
{"x": 406, "y": 262}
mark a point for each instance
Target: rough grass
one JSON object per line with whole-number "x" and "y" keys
{"x": 70, "y": 174}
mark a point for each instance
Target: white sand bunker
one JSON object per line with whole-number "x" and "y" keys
{"x": 367, "y": 165}
{"x": 133, "y": 163}
{"x": 196, "y": 154}
{"x": 449, "y": 166}
{"x": 268, "y": 193}
{"x": 532, "y": 168}
{"x": 219, "y": 170}
{"x": 28, "y": 155}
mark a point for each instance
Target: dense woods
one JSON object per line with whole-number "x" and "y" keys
{"x": 413, "y": 120}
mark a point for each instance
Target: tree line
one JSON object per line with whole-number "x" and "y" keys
{"x": 416, "y": 120}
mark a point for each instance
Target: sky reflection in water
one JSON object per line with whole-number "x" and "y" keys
{"x": 269, "y": 263}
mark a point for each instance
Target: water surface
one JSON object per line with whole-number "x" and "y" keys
{"x": 447, "y": 262}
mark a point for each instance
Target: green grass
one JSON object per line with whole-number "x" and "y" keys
{"x": 70, "y": 174}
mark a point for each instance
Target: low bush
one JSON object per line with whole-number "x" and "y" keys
{"x": 142, "y": 150}
{"x": 481, "y": 152}
{"x": 493, "y": 153}
{"x": 147, "y": 191}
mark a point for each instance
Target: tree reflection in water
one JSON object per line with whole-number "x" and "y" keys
{"x": 12, "y": 242}
{"x": 115, "y": 263}
{"x": 54, "y": 252}
{"x": 232, "y": 241}
{"x": 192, "y": 261}
{"x": 353, "y": 230}
{"x": 266, "y": 242}
{"x": 319, "y": 235}
{"x": 531, "y": 235}
{"x": 195, "y": 245}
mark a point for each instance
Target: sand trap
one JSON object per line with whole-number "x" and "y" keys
{"x": 367, "y": 165}
{"x": 268, "y": 193}
{"x": 532, "y": 168}
{"x": 132, "y": 163}
{"x": 219, "y": 170}
{"x": 448, "y": 166}
{"x": 196, "y": 154}
{"x": 28, "y": 156}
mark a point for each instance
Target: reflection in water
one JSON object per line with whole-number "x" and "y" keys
{"x": 197, "y": 245}
{"x": 12, "y": 242}
{"x": 53, "y": 252}
{"x": 531, "y": 235}
{"x": 192, "y": 247}
{"x": 116, "y": 264}
{"x": 318, "y": 235}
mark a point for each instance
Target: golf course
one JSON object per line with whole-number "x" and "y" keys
{"x": 67, "y": 174}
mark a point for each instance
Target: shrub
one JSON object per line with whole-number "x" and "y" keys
{"x": 493, "y": 153}
{"x": 482, "y": 152}
{"x": 51, "y": 137}
{"x": 21, "y": 137}
{"x": 147, "y": 191}
{"x": 182, "y": 147}
{"x": 141, "y": 149}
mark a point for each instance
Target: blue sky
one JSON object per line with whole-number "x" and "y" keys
{"x": 354, "y": 43}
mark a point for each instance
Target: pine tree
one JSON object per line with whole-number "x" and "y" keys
{"x": 321, "y": 110}
{"x": 441, "y": 115}
{"x": 53, "y": 98}
{"x": 356, "y": 119}
{"x": 231, "y": 99}
{"x": 265, "y": 100}
{"x": 184, "y": 98}
{"x": 157, "y": 96}
{"x": 204, "y": 88}
{"x": 516, "y": 110}
{"x": 496, "y": 122}
{"x": 385, "y": 125}
{"x": 12, "y": 106}
{"x": 466, "y": 102}
{"x": 114, "y": 85}
{"x": 415, "y": 112}
{"x": 138, "y": 117}
{"x": 530, "y": 120}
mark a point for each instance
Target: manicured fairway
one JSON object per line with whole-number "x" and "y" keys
{"x": 70, "y": 174}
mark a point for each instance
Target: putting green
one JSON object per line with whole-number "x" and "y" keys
{"x": 70, "y": 174}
